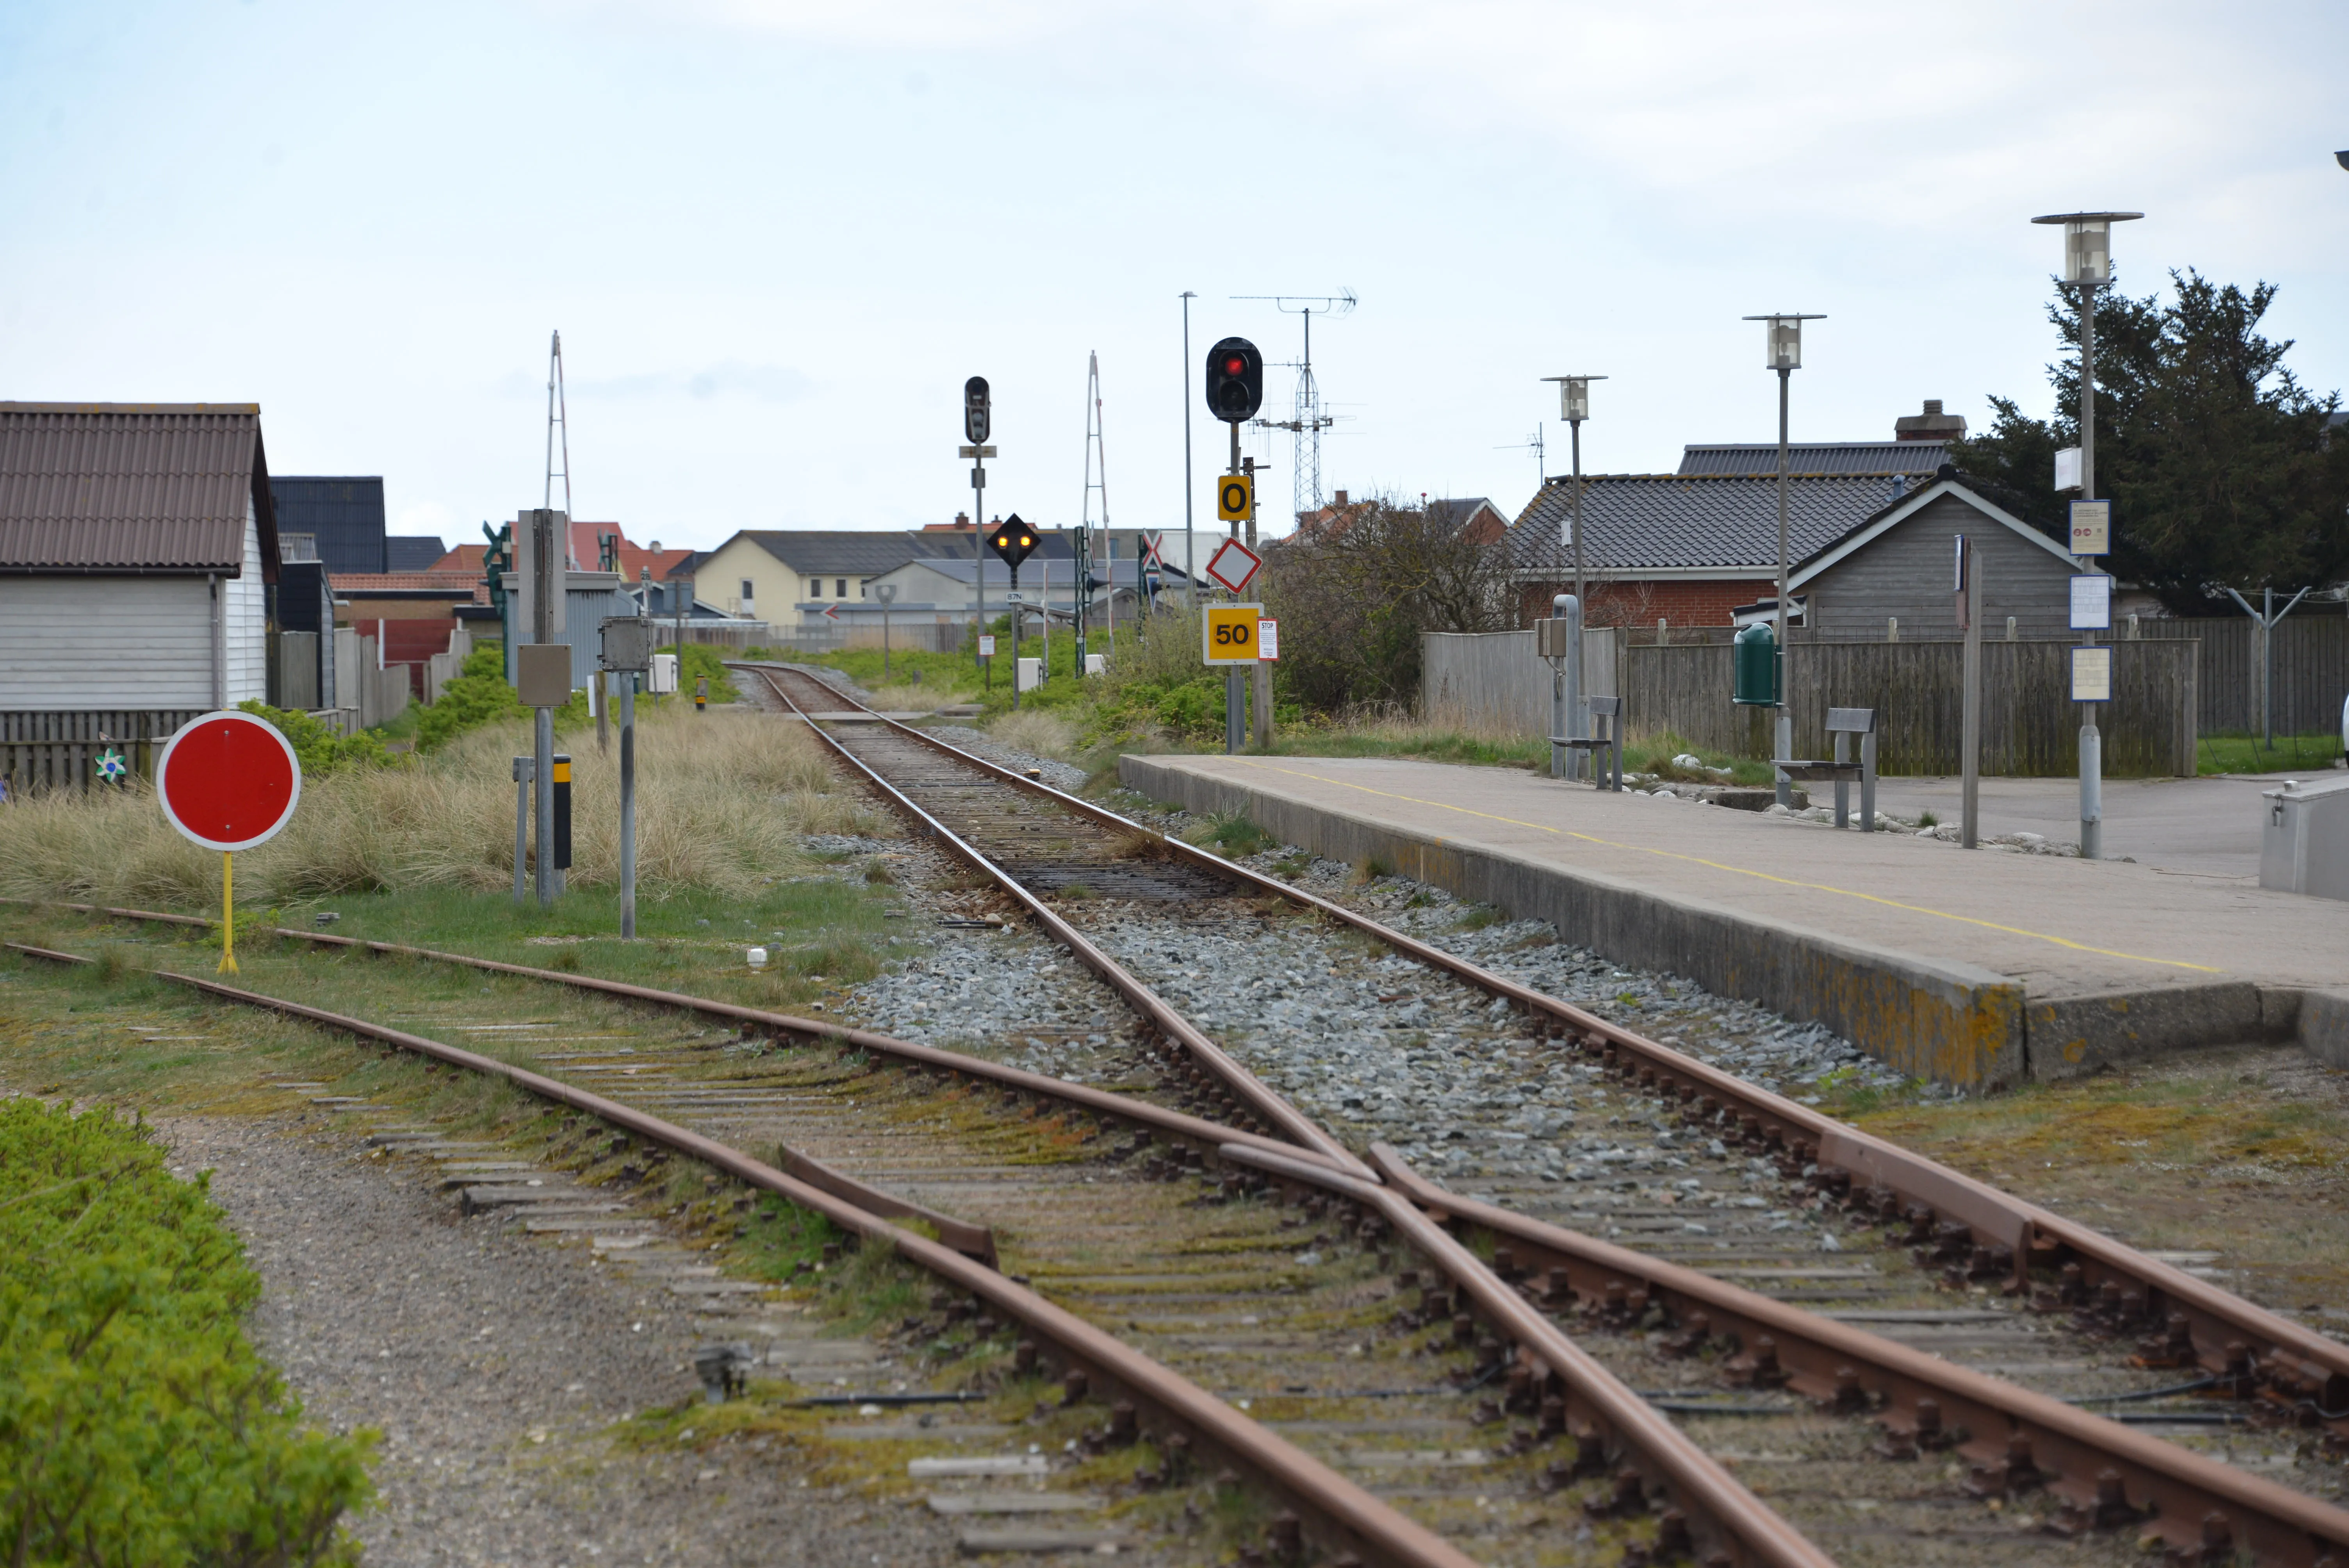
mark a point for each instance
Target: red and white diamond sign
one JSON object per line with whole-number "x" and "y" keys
{"x": 1233, "y": 565}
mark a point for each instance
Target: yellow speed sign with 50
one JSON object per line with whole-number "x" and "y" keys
{"x": 1227, "y": 634}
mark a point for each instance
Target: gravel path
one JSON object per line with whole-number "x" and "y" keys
{"x": 493, "y": 1364}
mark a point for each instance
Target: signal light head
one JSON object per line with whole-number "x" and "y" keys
{"x": 1235, "y": 380}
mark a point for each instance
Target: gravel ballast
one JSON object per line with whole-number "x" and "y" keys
{"x": 495, "y": 1365}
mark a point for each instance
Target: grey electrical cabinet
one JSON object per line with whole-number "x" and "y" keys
{"x": 2304, "y": 838}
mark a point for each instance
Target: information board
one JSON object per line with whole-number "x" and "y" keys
{"x": 2092, "y": 674}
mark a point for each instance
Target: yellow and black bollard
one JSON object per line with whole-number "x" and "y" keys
{"x": 701, "y": 694}
{"x": 562, "y": 818}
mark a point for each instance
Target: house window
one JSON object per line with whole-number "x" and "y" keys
{"x": 748, "y": 596}
{"x": 840, "y": 588}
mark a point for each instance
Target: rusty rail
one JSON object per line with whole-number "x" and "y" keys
{"x": 2229, "y": 1335}
{"x": 1722, "y": 1514}
{"x": 1851, "y": 1370}
{"x": 1343, "y": 1516}
{"x": 1138, "y": 1113}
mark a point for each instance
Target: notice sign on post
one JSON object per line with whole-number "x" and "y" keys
{"x": 1268, "y": 641}
{"x": 2092, "y": 674}
{"x": 2091, "y": 528}
{"x": 985, "y": 646}
{"x": 2092, "y": 601}
{"x": 1227, "y": 634}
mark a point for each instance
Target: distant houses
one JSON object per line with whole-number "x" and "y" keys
{"x": 1869, "y": 530}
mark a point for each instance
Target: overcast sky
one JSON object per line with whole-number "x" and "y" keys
{"x": 777, "y": 236}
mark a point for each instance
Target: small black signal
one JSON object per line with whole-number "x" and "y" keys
{"x": 1235, "y": 380}
{"x": 1012, "y": 540}
{"x": 977, "y": 412}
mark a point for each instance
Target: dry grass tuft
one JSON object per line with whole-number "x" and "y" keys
{"x": 1037, "y": 733}
{"x": 721, "y": 804}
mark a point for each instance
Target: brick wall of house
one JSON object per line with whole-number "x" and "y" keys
{"x": 1705, "y": 603}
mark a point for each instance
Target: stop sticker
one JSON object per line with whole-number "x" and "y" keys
{"x": 228, "y": 780}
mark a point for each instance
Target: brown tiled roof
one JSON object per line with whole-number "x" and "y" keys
{"x": 456, "y": 585}
{"x": 132, "y": 487}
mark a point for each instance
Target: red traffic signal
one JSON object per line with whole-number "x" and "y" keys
{"x": 1012, "y": 540}
{"x": 1235, "y": 380}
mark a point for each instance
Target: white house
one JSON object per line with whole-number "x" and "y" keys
{"x": 138, "y": 550}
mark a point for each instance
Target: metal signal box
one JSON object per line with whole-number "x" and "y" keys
{"x": 627, "y": 646}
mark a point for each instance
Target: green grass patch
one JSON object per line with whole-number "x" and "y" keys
{"x": 1231, "y": 834}
{"x": 137, "y": 1422}
{"x": 2250, "y": 754}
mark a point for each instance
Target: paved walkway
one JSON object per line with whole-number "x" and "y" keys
{"x": 2192, "y": 827}
{"x": 2060, "y": 924}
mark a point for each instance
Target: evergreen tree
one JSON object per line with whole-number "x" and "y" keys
{"x": 2216, "y": 460}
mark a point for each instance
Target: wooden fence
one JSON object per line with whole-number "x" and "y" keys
{"x": 2312, "y": 669}
{"x": 2029, "y": 728}
{"x": 58, "y": 751}
{"x": 1493, "y": 683}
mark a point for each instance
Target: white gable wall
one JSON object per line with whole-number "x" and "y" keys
{"x": 248, "y": 621}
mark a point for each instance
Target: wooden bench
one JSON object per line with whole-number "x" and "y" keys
{"x": 1843, "y": 723}
{"x": 1607, "y": 717}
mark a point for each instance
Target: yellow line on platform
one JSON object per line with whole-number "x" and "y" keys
{"x": 1741, "y": 871}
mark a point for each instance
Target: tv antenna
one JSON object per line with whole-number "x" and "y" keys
{"x": 1541, "y": 468}
{"x": 1096, "y": 483}
{"x": 558, "y": 442}
{"x": 1305, "y": 429}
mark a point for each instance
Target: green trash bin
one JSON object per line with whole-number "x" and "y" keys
{"x": 1757, "y": 666}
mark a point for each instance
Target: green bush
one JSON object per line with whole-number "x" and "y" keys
{"x": 137, "y": 1425}
{"x": 480, "y": 695}
{"x": 319, "y": 750}
{"x": 701, "y": 661}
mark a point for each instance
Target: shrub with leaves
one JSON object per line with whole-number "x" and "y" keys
{"x": 318, "y": 749}
{"x": 137, "y": 1424}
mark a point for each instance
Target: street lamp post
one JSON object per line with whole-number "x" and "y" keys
{"x": 1573, "y": 406}
{"x": 1784, "y": 355}
{"x": 886, "y": 592}
{"x": 2088, "y": 267}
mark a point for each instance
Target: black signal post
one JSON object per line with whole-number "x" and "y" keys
{"x": 1012, "y": 540}
{"x": 1234, "y": 390}
{"x": 977, "y": 424}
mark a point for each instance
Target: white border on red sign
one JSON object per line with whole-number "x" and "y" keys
{"x": 162, "y": 772}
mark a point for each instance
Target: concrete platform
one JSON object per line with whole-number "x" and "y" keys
{"x": 1978, "y": 968}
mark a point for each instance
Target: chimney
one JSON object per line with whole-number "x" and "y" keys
{"x": 962, "y": 519}
{"x": 1341, "y": 499}
{"x": 656, "y": 547}
{"x": 1932, "y": 424}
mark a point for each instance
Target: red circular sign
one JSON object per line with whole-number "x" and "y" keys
{"x": 228, "y": 780}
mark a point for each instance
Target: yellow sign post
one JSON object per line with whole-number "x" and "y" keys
{"x": 1227, "y": 634}
{"x": 1236, "y": 499}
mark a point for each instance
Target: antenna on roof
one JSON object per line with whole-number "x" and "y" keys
{"x": 1305, "y": 472}
{"x": 558, "y": 429}
{"x": 1096, "y": 481}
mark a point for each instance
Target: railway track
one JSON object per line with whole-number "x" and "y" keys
{"x": 2109, "y": 1326}
{"x": 1441, "y": 1380}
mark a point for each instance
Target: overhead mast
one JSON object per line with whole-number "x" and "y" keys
{"x": 1096, "y": 480}
{"x": 558, "y": 442}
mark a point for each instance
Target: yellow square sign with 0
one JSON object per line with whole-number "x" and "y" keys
{"x": 1227, "y": 634}
{"x": 1235, "y": 498}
